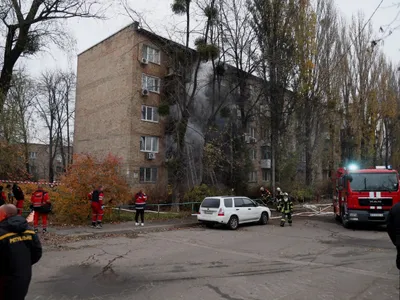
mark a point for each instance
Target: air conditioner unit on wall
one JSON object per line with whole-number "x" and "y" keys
{"x": 144, "y": 61}
{"x": 145, "y": 92}
{"x": 151, "y": 156}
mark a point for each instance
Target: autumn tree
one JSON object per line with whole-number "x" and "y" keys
{"x": 54, "y": 108}
{"x": 274, "y": 23}
{"x": 83, "y": 176}
{"x": 17, "y": 118}
{"x": 29, "y": 26}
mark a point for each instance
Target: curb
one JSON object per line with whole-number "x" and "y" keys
{"x": 138, "y": 230}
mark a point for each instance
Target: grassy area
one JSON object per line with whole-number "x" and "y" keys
{"x": 124, "y": 216}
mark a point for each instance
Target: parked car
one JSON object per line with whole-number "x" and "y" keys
{"x": 232, "y": 211}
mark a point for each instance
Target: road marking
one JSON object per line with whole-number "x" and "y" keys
{"x": 284, "y": 260}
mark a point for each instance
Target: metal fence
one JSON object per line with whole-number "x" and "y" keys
{"x": 161, "y": 208}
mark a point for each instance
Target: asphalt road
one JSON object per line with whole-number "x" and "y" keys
{"x": 314, "y": 259}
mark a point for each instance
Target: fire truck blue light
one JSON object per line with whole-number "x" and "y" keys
{"x": 353, "y": 167}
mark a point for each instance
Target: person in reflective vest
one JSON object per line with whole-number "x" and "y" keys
{"x": 286, "y": 208}
{"x": 40, "y": 201}
{"x": 140, "y": 203}
{"x": 96, "y": 198}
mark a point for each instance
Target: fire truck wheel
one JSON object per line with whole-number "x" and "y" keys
{"x": 345, "y": 222}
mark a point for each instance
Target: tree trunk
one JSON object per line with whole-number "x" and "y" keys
{"x": 308, "y": 144}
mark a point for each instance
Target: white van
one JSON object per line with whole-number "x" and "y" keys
{"x": 232, "y": 211}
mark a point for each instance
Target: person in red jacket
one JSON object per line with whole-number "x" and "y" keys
{"x": 40, "y": 203}
{"x": 96, "y": 198}
{"x": 3, "y": 197}
{"x": 140, "y": 203}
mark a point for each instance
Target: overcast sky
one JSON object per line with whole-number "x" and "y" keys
{"x": 158, "y": 14}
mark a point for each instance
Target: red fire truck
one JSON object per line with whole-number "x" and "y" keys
{"x": 365, "y": 195}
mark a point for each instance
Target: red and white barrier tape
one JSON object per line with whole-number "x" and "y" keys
{"x": 31, "y": 182}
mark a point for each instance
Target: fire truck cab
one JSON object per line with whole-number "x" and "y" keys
{"x": 365, "y": 195}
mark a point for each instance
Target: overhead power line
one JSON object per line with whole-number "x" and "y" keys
{"x": 359, "y": 34}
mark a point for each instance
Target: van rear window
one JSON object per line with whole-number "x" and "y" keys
{"x": 211, "y": 203}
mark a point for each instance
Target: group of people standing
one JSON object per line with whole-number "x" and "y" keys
{"x": 14, "y": 192}
{"x": 40, "y": 203}
{"x": 96, "y": 198}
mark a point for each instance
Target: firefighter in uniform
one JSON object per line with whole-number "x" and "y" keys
{"x": 40, "y": 202}
{"x": 20, "y": 248}
{"x": 286, "y": 208}
{"x": 279, "y": 194}
{"x": 19, "y": 196}
{"x": 96, "y": 198}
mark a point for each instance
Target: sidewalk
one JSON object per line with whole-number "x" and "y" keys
{"x": 129, "y": 227}
{"x": 125, "y": 227}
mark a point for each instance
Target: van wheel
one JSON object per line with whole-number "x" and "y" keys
{"x": 233, "y": 223}
{"x": 264, "y": 218}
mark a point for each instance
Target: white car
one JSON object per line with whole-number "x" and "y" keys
{"x": 232, "y": 211}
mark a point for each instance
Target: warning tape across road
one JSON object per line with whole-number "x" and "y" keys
{"x": 31, "y": 182}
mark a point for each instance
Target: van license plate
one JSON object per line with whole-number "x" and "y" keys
{"x": 376, "y": 215}
{"x": 208, "y": 212}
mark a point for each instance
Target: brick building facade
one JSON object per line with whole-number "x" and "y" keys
{"x": 117, "y": 95}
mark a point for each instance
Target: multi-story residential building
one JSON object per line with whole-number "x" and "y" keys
{"x": 117, "y": 97}
{"x": 118, "y": 93}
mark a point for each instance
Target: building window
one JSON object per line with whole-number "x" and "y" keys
{"x": 32, "y": 169}
{"x": 253, "y": 176}
{"x": 151, "y": 83}
{"x": 266, "y": 174}
{"x": 148, "y": 174}
{"x": 149, "y": 113}
{"x": 32, "y": 155}
{"x": 149, "y": 144}
{"x": 252, "y": 132}
{"x": 265, "y": 152}
{"x": 253, "y": 154}
{"x": 151, "y": 54}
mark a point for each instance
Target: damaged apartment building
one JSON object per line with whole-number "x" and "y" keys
{"x": 120, "y": 84}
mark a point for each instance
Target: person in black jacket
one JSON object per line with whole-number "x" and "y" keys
{"x": 20, "y": 248}
{"x": 393, "y": 229}
{"x": 20, "y": 197}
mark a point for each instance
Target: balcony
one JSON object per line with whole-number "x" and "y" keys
{"x": 265, "y": 164}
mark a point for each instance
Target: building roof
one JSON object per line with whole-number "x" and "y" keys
{"x": 136, "y": 26}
